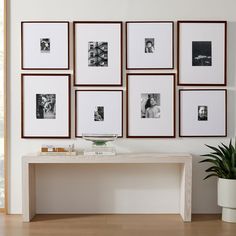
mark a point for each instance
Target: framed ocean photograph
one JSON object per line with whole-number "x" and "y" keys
{"x": 98, "y": 112}
{"x": 45, "y": 106}
{"x": 202, "y": 53}
{"x": 97, "y": 53}
{"x": 150, "y": 45}
{"x": 150, "y": 105}
{"x": 202, "y": 112}
{"x": 45, "y": 45}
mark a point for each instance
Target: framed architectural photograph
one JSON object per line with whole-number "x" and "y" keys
{"x": 202, "y": 52}
{"x": 150, "y": 105}
{"x": 97, "y": 53}
{"x": 150, "y": 45}
{"x": 45, "y": 45}
{"x": 45, "y": 105}
{"x": 203, "y": 113}
{"x": 98, "y": 112}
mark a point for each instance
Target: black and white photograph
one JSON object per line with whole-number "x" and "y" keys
{"x": 149, "y": 45}
{"x": 99, "y": 113}
{"x": 46, "y": 106}
{"x": 202, "y": 113}
{"x": 201, "y": 53}
{"x": 46, "y": 103}
{"x": 150, "y": 105}
{"x": 98, "y": 54}
{"x": 45, "y": 45}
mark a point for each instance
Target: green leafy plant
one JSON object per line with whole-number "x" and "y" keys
{"x": 223, "y": 160}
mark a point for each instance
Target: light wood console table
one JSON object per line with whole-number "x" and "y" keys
{"x": 30, "y": 161}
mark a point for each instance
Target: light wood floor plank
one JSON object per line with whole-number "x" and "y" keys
{"x": 115, "y": 225}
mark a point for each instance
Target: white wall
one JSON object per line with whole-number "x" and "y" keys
{"x": 204, "y": 192}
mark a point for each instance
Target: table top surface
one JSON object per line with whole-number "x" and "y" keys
{"x": 118, "y": 158}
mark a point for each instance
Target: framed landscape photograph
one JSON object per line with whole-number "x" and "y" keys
{"x": 97, "y": 53}
{"x": 202, "y": 52}
{"x": 45, "y": 45}
{"x": 45, "y": 106}
{"x": 150, "y": 105}
{"x": 150, "y": 45}
{"x": 98, "y": 112}
{"x": 203, "y": 113}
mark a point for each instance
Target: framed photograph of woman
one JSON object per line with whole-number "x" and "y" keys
{"x": 45, "y": 110}
{"x": 97, "y": 53}
{"x": 45, "y": 45}
{"x": 150, "y": 105}
{"x": 202, "y": 53}
{"x": 150, "y": 45}
{"x": 202, "y": 112}
{"x": 98, "y": 112}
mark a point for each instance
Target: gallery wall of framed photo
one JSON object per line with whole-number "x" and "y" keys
{"x": 151, "y": 99}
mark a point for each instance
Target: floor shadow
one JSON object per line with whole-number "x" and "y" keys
{"x": 205, "y": 217}
{"x": 48, "y": 217}
{"x": 53, "y": 217}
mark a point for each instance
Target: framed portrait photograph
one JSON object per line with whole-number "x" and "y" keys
{"x": 98, "y": 112}
{"x": 202, "y": 112}
{"x": 97, "y": 53}
{"x": 150, "y": 45}
{"x": 202, "y": 53}
{"x": 150, "y": 105}
{"x": 45, "y": 45}
{"x": 45, "y": 105}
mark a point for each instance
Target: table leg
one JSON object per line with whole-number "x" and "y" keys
{"x": 28, "y": 191}
{"x": 186, "y": 191}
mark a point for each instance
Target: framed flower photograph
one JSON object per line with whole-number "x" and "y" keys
{"x": 202, "y": 112}
{"x": 150, "y": 105}
{"x": 98, "y": 112}
{"x": 202, "y": 52}
{"x": 97, "y": 53}
{"x": 45, "y": 45}
{"x": 150, "y": 45}
{"x": 45, "y": 105}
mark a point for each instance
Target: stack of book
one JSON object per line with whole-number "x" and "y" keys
{"x": 57, "y": 150}
{"x": 100, "y": 151}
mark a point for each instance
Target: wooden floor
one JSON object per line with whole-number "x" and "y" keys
{"x": 114, "y": 225}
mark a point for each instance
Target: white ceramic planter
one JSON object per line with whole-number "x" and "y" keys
{"x": 227, "y": 199}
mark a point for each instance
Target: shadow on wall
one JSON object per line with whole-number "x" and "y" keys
{"x": 121, "y": 188}
{"x": 231, "y": 77}
{"x": 231, "y": 58}
{"x": 231, "y": 113}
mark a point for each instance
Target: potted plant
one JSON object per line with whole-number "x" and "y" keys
{"x": 223, "y": 165}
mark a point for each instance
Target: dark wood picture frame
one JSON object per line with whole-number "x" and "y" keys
{"x": 225, "y": 53}
{"x": 88, "y": 90}
{"x": 121, "y": 52}
{"x": 148, "y": 22}
{"x": 22, "y": 44}
{"x": 174, "y": 105}
{"x": 202, "y": 136}
{"x": 22, "y": 108}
